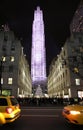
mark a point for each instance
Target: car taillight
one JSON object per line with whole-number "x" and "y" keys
{"x": 9, "y": 110}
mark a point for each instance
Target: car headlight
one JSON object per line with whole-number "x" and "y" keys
{"x": 74, "y": 112}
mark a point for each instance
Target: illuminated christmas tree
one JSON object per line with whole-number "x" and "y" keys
{"x": 38, "y": 54}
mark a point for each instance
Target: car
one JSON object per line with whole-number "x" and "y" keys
{"x": 73, "y": 113}
{"x": 2, "y": 119}
{"x": 9, "y": 108}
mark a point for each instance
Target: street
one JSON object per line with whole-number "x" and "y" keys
{"x": 40, "y": 118}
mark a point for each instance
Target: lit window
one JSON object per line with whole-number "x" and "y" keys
{"x": 81, "y": 49}
{"x": 10, "y": 80}
{"x": 3, "y": 58}
{"x": 12, "y": 58}
{"x": 1, "y": 80}
{"x": 77, "y": 81}
{"x": 80, "y": 94}
{"x": 23, "y": 73}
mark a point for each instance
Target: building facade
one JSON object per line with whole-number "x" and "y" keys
{"x": 66, "y": 71}
{"x": 14, "y": 69}
{"x": 38, "y": 54}
{"x": 77, "y": 21}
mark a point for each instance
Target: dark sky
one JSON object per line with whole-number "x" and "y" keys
{"x": 18, "y": 14}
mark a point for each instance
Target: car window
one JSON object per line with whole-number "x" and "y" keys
{"x": 14, "y": 101}
{"x": 3, "y": 102}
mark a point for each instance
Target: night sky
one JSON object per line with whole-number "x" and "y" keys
{"x": 18, "y": 14}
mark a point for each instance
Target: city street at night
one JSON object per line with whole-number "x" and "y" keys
{"x": 38, "y": 118}
{"x": 41, "y": 65}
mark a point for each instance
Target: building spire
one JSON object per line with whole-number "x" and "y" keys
{"x": 38, "y": 56}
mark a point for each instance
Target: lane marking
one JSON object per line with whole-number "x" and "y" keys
{"x": 40, "y": 115}
{"x": 40, "y": 109}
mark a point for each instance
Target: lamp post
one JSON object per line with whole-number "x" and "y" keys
{"x": 0, "y": 78}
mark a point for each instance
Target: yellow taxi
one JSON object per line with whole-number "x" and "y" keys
{"x": 74, "y": 113}
{"x": 9, "y": 109}
{"x": 2, "y": 119}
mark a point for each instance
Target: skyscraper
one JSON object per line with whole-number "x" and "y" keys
{"x": 38, "y": 54}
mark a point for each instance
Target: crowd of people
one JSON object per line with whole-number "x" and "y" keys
{"x": 47, "y": 101}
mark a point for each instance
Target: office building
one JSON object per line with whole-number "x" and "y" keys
{"x": 77, "y": 21}
{"x": 38, "y": 54}
{"x": 14, "y": 68}
{"x": 65, "y": 78}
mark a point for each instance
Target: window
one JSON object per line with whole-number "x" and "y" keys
{"x": 11, "y": 68}
{"x": 3, "y": 58}
{"x": 3, "y": 102}
{"x": 12, "y": 58}
{"x": 12, "y": 48}
{"x": 80, "y": 39}
{"x": 14, "y": 101}
{"x": 1, "y": 80}
{"x": 81, "y": 49}
{"x": 10, "y": 80}
{"x": 77, "y": 81}
{"x": 6, "y": 92}
{"x": 4, "y": 48}
{"x": 1, "y": 67}
{"x": 80, "y": 94}
{"x": 73, "y": 50}
{"x": 5, "y": 38}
